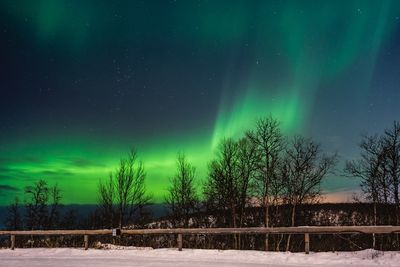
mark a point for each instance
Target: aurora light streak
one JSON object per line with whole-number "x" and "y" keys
{"x": 83, "y": 81}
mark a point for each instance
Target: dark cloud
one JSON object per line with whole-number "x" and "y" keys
{"x": 79, "y": 162}
{"x": 15, "y": 175}
{"x": 8, "y": 174}
{"x": 5, "y": 169}
{"x": 4, "y": 187}
{"x": 58, "y": 172}
{"x": 20, "y": 160}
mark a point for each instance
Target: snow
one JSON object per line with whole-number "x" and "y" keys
{"x": 130, "y": 256}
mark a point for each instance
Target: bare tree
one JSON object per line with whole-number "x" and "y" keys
{"x": 247, "y": 160}
{"x": 391, "y": 146}
{"x": 379, "y": 166}
{"x": 42, "y": 205}
{"x": 126, "y": 190}
{"x": 54, "y": 207}
{"x": 304, "y": 166}
{"x": 230, "y": 176}
{"x": 391, "y": 143}
{"x": 182, "y": 198}
{"x": 220, "y": 189}
{"x": 268, "y": 140}
{"x": 36, "y": 205}
{"x": 371, "y": 170}
{"x": 247, "y": 166}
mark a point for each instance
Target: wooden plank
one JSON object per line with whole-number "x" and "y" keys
{"x": 387, "y": 229}
{"x": 180, "y": 242}
{"x": 275, "y": 230}
{"x": 307, "y": 243}
{"x": 86, "y": 241}
{"x": 12, "y": 242}
{"x": 58, "y": 232}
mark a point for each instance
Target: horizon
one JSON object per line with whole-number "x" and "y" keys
{"x": 326, "y": 198}
{"x": 84, "y": 82}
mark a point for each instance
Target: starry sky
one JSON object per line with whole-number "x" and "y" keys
{"x": 84, "y": 81}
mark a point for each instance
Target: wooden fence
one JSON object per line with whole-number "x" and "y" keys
{"x": 306, "y": 230}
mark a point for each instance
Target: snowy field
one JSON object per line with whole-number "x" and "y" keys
{"x": 62, "y": 257}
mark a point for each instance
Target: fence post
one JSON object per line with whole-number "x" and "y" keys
{"x": 180, "y": 242}
{"x": 307, "y": 243}
{"x": 12, "y": 242}
{"x": 86, "y": 241}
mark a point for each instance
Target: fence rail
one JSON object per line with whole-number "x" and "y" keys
{"x": 306, "y": 230}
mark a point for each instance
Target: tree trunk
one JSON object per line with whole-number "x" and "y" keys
{"x": 292, "y": 224}
{"x": 278, "y": 244}
{"x": 240, "y": 226}
{"x": 120, "y": 215}
{"x": 234, "y": 226}
{"x": 267, "y": 225}
{"x": 397, "y": 223}
{"x": 373, "y": 235}
{"x": 266, "y": 200}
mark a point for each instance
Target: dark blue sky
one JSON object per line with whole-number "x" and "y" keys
{"x": 82, "y": 81}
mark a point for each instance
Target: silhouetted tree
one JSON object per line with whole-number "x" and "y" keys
{"x": 221, "y": 188}
{"x": 304, "y": 166}
{"x": 391, "y": 144}
{"x": 371, "y": 171}
{"x": 182, "y": 198}
{"x": 36, "y": 204}
{"x": 247, "y": 166}
{"x": 379, "y": 167}
{"x": 247, "y": 160}
{"x": 227, "y": 188}
{"x": 55, "y": 205}
{"x": 38, "y": 198}
{"x": 125, "y": 190}
{"x": 268, "y": 140}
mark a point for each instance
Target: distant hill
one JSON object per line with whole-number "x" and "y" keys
{"x": 3, "y": 214}
{"x": 157, "y": 210}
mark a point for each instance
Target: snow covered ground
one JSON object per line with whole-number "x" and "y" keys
{"x": 62, "y": 257}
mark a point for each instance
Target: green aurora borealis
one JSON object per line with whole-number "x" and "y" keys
{"x": 86, "y": 80}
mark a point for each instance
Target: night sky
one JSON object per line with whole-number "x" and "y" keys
{"x": 84, "y": 81}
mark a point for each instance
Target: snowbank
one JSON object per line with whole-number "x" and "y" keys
{"x": 115, "y": 256}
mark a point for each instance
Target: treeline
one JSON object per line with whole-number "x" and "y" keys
{"x": 278, "y": 175}
{"x": 263, "y": 178}
{"x": 263, "y": 168}
{"x": 378, "y": 168}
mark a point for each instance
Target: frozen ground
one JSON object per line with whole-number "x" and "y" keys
{"x": 62, "y": 257}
